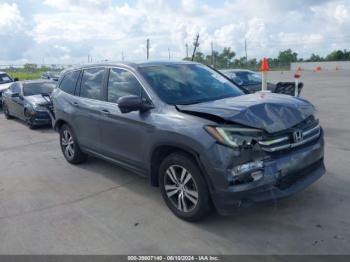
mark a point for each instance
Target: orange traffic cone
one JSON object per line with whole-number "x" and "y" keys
{"x": 264, "y": 69}
{"x": 264, "y": 65}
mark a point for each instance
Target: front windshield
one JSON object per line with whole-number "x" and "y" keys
{"x": 32, "y": 89}
{"x": 248, "y": 78}
{"x": 181, "y": 84}
{"x": 4, "y": 79}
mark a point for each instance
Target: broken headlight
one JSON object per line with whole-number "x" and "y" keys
{"x": 235, "y": 136}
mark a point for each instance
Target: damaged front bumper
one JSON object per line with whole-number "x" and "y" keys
{"x": 284, "y": 174}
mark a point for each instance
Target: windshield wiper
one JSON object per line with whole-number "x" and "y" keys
{"x": 191, "y": 102}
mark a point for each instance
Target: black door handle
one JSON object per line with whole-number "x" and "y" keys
{"x": 105, "y": 112}
{"x": 75, "y": 104}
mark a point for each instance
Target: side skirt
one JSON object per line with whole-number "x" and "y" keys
{"x": 132, "y": 168}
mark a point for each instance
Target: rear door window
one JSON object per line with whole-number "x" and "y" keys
{"x": 122, "y": 83}
{"x": 92, "y": 83}
{"x": 69, "y": 82}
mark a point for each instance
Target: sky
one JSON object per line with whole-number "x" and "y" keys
{"x": 68, "y": 31}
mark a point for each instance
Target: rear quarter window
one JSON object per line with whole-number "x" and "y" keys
{"x": 69, "y": 82}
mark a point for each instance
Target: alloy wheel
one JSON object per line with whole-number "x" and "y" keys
{"x": 181, "y": 188}
{"x": 67, "y": 143}
{"x": 28, "y": 119}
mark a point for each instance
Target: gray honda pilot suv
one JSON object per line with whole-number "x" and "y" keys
{"x": 191, "y": 131}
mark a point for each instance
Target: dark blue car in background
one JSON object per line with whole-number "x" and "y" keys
{"x": 26, "y": 100}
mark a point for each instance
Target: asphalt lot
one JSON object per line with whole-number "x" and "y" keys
{"x": 50, "y": 207}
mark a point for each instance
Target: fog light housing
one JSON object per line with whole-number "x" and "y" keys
{"x": 248, "y": 172}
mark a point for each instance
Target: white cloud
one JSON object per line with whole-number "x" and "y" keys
{"x": 79, "y": 4}
{"x": 74, "y": 29}
{"x": 10, "y": 18}
{"x": 341, "y": 13}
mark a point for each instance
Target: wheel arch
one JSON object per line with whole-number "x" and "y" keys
{"x": 161, "y": 151}
{"x": 59, "y": 123}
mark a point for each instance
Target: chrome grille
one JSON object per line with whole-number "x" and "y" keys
{"x": 285, "y": 141}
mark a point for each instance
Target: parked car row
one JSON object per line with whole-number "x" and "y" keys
{"x": 51, "y": 75}
{"x": 5, "y": 82}
{"x": 203, "y": 140}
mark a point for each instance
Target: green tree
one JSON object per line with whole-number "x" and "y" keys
{"x": 199, "y": 57}
{"x": 338, "y": 55}
{"x": 30, "y": 67}
{"x": 315, "y": 58}
{"x": 225, "y": 58}
{"x": 287, "y": 56}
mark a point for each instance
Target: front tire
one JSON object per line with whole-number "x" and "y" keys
{"x": 28, "y": 119}
{"x": 184, "y": 188}
{"x": 6, "y": 111}
{"x": 70, "y": 147}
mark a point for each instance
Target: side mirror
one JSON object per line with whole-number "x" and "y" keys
{"x": 16, "y": 79}
{"x": 131, "y": 103}
{"x": 15, "y": 95}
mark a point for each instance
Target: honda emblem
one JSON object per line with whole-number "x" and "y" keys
{"x": 298, "y": 136}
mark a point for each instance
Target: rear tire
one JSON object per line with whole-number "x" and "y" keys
{"x": 6, "y": 111}
{"x": 184, "y": 188}
{"x": 70, "y": 147}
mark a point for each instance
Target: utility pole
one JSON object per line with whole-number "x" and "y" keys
{"x": 147, "y": 48}
{"x": 186, "y": 50}
{"x": 212, "y": 54}
{"x": 169, "y": 52}
{"x": 122, "y": 56}
{"x": 196, "y": 44}
{"x": 88, "y": 59}
{"x": 246, "y": 54}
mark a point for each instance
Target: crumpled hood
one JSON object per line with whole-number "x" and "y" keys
{"x": 3, "y": 87}
{"x": 37, "y": 100}
{"x": 267, "y": 111}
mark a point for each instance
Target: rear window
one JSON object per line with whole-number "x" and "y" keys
{"x": 69, "y": 82}
{"x": 32, "y": 89}
{"x": 4, "y": 78}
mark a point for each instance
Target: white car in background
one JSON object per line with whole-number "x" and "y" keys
{"x": 5, "y": 82}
